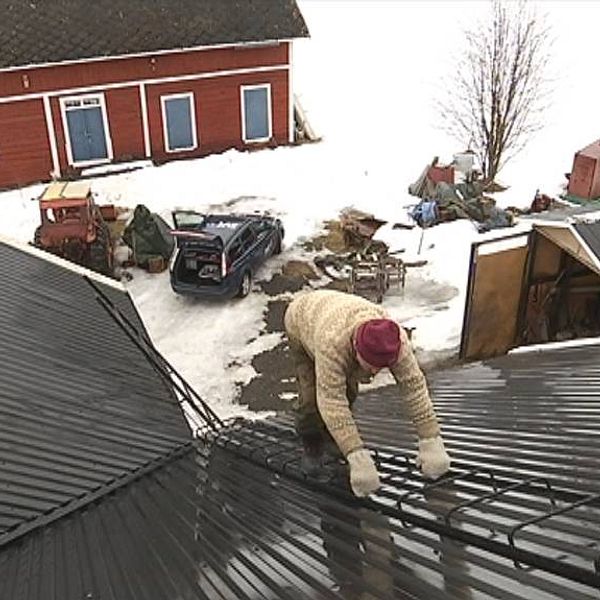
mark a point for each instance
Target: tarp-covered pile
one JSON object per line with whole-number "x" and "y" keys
{"x": 443, "y": 201}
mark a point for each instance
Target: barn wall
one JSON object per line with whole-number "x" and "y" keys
{"x": 101, "y": 73}
{"x": 218, "y": 112}
{"x": 24, "y": 146}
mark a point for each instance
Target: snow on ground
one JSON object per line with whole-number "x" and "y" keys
{"x": 368, "y": 79}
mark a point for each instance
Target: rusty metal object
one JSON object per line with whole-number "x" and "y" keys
{"x": 72, "y": 226}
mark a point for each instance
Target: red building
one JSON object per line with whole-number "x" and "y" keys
{"x": 584, "y": 181}
{"x": 84, "y": 84}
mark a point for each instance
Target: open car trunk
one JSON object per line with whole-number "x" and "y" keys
{"x": 200, "y": 257}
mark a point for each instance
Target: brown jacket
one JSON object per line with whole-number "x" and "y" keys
{"x": 324, "y": 323}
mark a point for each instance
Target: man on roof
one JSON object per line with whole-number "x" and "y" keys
{"x": 337, "y": 340}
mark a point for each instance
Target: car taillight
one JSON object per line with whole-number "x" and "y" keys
{"x": 223, "y": 265}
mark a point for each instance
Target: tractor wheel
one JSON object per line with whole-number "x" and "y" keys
{"x": 100, "y": 253}
{"x": 37, "y": 237}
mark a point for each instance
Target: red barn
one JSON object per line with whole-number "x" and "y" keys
{"x": 584, "y": 181}
{"x": 89, "y": 83}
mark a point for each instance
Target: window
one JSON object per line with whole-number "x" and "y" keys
{"x": 85, "y": 123}
{"x": 179, "y": 122}
{"x": 256, "y": 113}
{"x": 248, "y": 238}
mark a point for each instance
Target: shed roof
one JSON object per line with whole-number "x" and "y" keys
{"x": 215, "y": 523}
{"x": 233, "y": 516}
{"x": 80, "y": 406}
{"x": 44, "y": 31}
{"x": 590, "y": 232}
{"x": 592, "y": 150}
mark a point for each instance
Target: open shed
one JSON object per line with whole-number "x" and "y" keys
{"x": 534, "y": 287}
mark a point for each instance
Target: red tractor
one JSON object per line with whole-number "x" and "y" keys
{"x": 73, "y": 226}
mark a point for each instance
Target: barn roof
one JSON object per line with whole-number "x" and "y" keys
{"x": 50, "y": 31}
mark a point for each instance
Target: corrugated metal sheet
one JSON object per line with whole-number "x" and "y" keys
{"x": 235, "y": 518}
{"x": 80, "y": 406}
{"x": 214, "y": 526}
{"x": 590, "y": 232}
{"x": 217, "y": 524}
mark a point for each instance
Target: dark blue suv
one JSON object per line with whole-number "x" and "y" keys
{"x": 217, "y": 255}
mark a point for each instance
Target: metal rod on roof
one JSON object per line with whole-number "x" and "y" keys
{"x": 157, "y": 359}
{"x": 160, "y": 368}
{"x": 383, "y": 502}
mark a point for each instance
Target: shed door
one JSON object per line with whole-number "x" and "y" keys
{"x": 494, "y": 298}
{"x": 86, "y": 134}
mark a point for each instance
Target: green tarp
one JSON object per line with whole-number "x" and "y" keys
{"x": 148, "y": 236}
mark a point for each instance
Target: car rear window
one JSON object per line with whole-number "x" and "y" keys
{"x": 224, "y": 227}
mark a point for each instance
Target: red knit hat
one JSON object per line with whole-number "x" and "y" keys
{"x": 378, "y": 342}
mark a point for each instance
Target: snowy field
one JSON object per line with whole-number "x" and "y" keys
{"x": 368, "y": 78}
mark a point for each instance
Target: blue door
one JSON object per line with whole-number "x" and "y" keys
{"x": 87, "y": 134}
{"x": 256, "y": 113}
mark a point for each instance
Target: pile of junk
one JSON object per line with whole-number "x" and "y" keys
{"x": 456, "y": 191}
{"x": 357, "y": 263}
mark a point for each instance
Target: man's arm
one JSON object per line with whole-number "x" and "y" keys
{"x": 335, "y": 411}
{"x": 332, "y": 401}
{"x": 432, "y": 458}
{"x": 414, "y": 392}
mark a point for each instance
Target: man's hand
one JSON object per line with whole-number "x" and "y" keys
{"x": 364, "y": 478}
{"x": 433, "y": 458}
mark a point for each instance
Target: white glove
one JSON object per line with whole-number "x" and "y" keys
{"x": 364, "y": 478}
{"x": 433, "y": 458}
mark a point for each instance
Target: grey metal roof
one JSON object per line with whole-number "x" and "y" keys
{"x": 215, "y": 523}
{"x": 44, "y": 31}
{"x": 590, "y": 232}
{"x": 80, "y": 406}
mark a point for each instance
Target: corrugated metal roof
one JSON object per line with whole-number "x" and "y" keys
{"x": 590, "y": 232}
{"x": 215, "y": 523}
{"x": 80, "y": 406}
{"x": 64, "y": 30}
{"x": 235, "y": 518}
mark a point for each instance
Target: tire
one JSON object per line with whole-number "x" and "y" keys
{"x": 245, "y": 285}
{"x": 37, "y": 237}
{"x": 277, "y": 249}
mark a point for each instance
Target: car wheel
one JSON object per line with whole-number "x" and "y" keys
{"x": 245, "y": 285}
{"x": 277, "y": 249}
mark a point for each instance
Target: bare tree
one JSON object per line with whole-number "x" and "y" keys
{"x": 497, "y": 97}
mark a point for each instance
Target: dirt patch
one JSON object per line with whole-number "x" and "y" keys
{"x": 275, "y": 386}
{"x": 333, "y": 240}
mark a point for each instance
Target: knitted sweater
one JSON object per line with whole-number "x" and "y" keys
{"x": 324, "y": 323}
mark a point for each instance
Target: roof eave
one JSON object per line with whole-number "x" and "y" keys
{"x": 202, "y": 48}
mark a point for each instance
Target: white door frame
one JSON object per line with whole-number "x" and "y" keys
{"x": 107, "y": 137}
{"x": 243, "y": 88}
{"x": 163, "y": 108}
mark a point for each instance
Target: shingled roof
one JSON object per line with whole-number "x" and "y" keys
{"x": 50, "y": 31}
